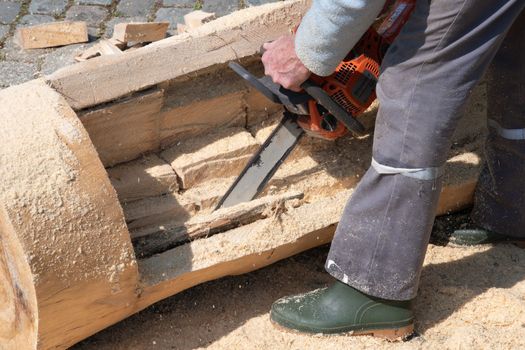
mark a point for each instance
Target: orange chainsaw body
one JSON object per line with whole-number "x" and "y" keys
{"x": 353, "y": 83}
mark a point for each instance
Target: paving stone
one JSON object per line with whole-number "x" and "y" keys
{"x": 110, "y": 25}
{"x": 173, "y": 15}
{"x": 47, "y": 7}
{"x": 93, "y": 2}
{"x": 32, "y": 20}
{"x": 220, "y": 7}
{"x": 13, "y": 73}
{"x": 13, "y": 52}
{"x": 4, "y": 29}
{"x": 134, "y": 8}
{"x": 178, "y": 3}
{"x": 62, "y": 57}
{"x": 8, "y": 11}
{"x": 92, "y": 15}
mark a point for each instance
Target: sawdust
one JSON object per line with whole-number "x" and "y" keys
{"x": 470, "y": 298}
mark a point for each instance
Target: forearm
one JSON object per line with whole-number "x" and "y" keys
{"x": 330, "y": 29}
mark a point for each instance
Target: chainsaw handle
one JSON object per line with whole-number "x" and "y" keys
{"x": 337, "y": 111}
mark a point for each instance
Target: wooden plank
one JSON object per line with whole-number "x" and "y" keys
{"x": 125, "y": 129}
{"x": 221, "y": 220}
{"x": 201, "y": 116}
{"x": 148, "y": 176}
{"x": 52, "y": 35}
{"x": 197, "y": 18}
{"x": 221, "y": 154}
{"x": 140, "y": 32}
{"x": 228, "y": 38}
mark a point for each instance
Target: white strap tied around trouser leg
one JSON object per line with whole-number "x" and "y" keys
{"x": 416, "y": 173}
{"x": 509, "y": 134}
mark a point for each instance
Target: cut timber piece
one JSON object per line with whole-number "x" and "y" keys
{"x": 221, "y": 220}
{"x": 231, "y": 37}
{"x": 140, "y": 32}
{"x": 149, "y": 176}
{"x": 104, "y": 47}
{"x": 201, "y": 116}
{"x": 221, "y": 154}
{"x": 52, "y": 35}
{"x": 125, "y": 129}
{"x": 158, "y": 210}
{"x": 67, "y": 266}
{"x": 197, "y": 18}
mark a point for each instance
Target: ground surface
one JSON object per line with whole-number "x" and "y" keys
{"x": 18, "y": 66}
{"x": 470, "y": 298}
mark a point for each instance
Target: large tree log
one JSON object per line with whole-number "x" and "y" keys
{"x": 66, "y": 261}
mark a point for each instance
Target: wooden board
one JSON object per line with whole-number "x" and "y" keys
{"x": 52, "y": 34}
{"x": 231, "y": 37}
{"x": 148, "y": 176}
{"x": 140, "y": 32}
{"x": 125, "y": 130}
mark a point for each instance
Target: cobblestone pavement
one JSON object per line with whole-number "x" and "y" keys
{"x": 18, "y": 65}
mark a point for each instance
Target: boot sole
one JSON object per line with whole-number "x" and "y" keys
{"x": 389, "y": 334}
{"x": 517, "y": 243}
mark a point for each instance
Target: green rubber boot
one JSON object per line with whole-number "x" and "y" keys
{"x": 476, "y": 236}
{"x": 343, "y": 309}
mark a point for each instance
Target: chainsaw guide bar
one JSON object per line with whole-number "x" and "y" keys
{"x": 264, "y": 163}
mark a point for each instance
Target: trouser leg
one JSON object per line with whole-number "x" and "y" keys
{"x": 500, "y": 196}
{"x": 426, "y": 78}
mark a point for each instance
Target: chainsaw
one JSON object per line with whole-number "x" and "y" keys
{"x": 327, "y": 107}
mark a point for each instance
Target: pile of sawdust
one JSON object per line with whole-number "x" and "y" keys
{"x": 470, "y": 298}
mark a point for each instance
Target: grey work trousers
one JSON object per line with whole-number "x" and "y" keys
{"x": 427, "y": 76}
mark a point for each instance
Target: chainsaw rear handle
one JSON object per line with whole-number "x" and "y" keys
{"x": 335, "y": 109}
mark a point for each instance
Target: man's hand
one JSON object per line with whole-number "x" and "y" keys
{"x": 282, "y": 64}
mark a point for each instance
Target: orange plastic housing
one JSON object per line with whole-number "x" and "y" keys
{"x": 352, "y": 86}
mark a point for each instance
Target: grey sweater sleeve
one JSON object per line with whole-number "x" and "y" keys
{"x": 330, "y": 29}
